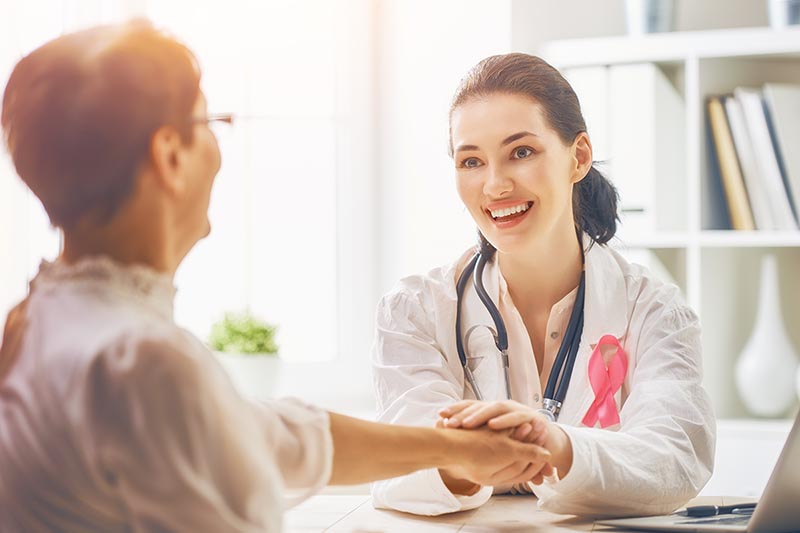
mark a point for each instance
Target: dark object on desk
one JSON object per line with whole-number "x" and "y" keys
{"x": 712, "y": 510}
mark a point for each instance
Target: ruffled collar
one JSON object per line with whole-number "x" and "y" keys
{"x": 143, "y": 283}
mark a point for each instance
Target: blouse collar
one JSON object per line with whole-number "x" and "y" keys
{"x": 153, "y": 288}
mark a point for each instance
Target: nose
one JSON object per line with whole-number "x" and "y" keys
{"x": 498, "y": 182}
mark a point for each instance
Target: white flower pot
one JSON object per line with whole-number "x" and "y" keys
{"x": 765, "y": 371}
{"x": 255, "y": 375}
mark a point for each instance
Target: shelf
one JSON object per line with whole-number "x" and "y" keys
{"x": 656, "y": 87}
{"x": 656, "y": 241}
{"x": 750, "y": 239}
{"x": 673, "y": 47}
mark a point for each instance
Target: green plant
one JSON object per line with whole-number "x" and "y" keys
{"x": 243, "y": 333}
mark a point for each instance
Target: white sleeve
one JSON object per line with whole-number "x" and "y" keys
{"x": 302, "y": 445}
{"x": 183, "y": 450}
{"x": 413, "y": 380}
{"x": 663, "y": 453}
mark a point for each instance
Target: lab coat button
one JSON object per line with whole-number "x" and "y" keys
{"x": 553, "y": 335}
{"x": 535, "y": 397}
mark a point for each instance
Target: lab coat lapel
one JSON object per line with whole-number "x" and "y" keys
{"x": 606, "y": 312}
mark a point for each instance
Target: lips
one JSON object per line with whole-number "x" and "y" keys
{"x": 508, "y": 214}
{"x": 508, "y": 209}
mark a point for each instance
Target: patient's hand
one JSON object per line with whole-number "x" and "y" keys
{"x": 491, "y": 457}
{"x": 527, "y": 424}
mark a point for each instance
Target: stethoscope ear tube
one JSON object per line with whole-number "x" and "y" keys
{"x": 462, "y": 283}
{"x": 502, "y": 335}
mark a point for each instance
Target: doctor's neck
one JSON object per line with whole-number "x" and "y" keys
{"x": 542, "y": 276}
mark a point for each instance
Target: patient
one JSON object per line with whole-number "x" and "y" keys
{"x": 112, "y": 418}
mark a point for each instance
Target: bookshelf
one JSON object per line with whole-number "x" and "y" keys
{"x": 717, "y": 269}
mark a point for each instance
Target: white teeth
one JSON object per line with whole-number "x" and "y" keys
{"x": 498, "y": 213}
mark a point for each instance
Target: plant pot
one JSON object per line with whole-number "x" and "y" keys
{"x": 254, "y": 375}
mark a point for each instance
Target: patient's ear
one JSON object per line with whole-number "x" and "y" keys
{"x": 168, "y": 157}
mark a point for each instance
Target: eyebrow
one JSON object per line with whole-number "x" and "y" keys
{"x": 508, "y": 140}
{"x": 511, "y": 138}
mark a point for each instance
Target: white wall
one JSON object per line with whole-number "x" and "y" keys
{"x": 424, "y": 49}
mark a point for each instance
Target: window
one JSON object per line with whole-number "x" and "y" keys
{"x": 286, "y": 69}
{"x": 286, "y": 241}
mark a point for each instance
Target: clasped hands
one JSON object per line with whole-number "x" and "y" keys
{"x": 516, "y": 421}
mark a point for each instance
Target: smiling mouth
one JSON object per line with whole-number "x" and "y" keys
{"x": 509, "y": 213}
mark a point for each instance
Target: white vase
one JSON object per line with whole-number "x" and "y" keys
{"x": 783, "y": 13}
{"x": 649, "y": 16}
{"x": 765, "y": 371}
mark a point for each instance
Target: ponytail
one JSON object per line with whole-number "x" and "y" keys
{"x": 594, "y": 206}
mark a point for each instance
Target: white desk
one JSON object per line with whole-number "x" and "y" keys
{"x": 331, "y": 512}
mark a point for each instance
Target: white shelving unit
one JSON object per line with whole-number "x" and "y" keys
{"x": 716, "y": 268}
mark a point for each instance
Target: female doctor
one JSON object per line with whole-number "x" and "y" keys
{"x": 544, "y": 322}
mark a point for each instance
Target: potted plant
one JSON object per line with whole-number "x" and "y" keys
{"x": 245, "y": 346}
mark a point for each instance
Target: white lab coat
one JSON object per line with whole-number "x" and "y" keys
{"x": 113, "y": 418}
{"x": 658, "y": 457}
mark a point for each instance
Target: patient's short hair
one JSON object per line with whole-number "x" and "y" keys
{"x": 79, "y": 113}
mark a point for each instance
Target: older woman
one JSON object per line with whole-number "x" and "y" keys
{"x": 112, "y": 418}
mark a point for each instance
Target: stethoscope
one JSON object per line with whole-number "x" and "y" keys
{"x": 558, "y": 382}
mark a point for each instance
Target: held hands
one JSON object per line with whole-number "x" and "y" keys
{"x": 525, "y": 423}
{"x": 489, "y": 457}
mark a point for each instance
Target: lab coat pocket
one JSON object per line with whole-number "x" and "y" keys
{"x": 483, "y": 359}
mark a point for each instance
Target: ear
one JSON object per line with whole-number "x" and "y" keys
{"x": 167, "y": 154}
{"x": 582, "y": 153}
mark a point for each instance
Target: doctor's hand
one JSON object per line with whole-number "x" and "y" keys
{"x": 489, "y": 457}
{"x": 508, "y": 414}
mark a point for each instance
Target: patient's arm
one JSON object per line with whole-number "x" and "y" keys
{"x": 367, "y": 451}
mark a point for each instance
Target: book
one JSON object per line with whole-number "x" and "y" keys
{"x": 783, "y": 113}
{"x": 756, "y": 192}
{"x": 769, "y": 174}
{"x": 730, "y": 172}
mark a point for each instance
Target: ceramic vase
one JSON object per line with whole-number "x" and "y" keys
{"x": 649, "y": 16}
{"x": 783, "y": 13}
{"x": 765, "y": 371}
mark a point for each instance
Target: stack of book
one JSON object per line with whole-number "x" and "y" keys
{"x": 756, "y": 141}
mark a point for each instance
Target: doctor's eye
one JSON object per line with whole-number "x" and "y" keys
{"x": 470, "y": 162}
{"x": 522, "y": 152}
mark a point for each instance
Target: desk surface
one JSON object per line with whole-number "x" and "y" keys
{"x": 327, "y": 512}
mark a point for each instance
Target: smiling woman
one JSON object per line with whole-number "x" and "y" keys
{"x": 578, "y": 334}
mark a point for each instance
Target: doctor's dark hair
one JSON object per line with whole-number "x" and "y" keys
{"x": 80, "y": 111}
{"x": 594, "y": 199}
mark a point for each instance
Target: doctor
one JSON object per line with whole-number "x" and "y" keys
{"x": 545, "y": 323}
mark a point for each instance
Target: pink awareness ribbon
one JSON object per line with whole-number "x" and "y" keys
{"x": 605, "y": 379}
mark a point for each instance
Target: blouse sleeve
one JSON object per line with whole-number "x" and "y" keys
{"x": 184, "y": 451}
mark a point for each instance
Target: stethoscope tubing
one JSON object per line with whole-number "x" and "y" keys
{"x": 558, "y": 381}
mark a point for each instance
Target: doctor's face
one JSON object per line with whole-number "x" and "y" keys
{"x": 513, "y": 171}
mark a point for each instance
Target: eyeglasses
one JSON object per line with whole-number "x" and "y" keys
{"x": 227, "y": 118}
